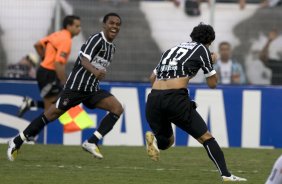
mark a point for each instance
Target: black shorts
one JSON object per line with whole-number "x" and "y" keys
{"x": 173, "y": 106}
{"x": 48, "y": 82}
{"x": 68, "y": 98}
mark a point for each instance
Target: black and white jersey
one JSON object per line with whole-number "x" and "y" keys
{"x": 100, "y": 53}
{"x": 185, "y": 60}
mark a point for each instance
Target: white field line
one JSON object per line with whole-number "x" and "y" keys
{"x": 106, "y": 167}
{"x": 136, "y": 168}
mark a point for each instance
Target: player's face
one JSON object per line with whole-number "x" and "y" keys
{"x": 75, "y": 27}
{"x": 111, "y": 28}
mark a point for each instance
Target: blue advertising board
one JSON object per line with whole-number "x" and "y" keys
{"x": 237, "y": 116}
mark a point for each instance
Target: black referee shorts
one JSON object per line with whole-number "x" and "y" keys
{"x": 48, "y": 82}
{"x": 68, "y": 98}
{"x": 173, "y": 106}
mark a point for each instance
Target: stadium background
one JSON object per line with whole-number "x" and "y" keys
{"x": 149, "y": 27}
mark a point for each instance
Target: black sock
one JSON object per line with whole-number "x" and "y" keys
{"x": 216, "y": 155}
{"x": 18, "y": 141}
{"x": 106, "y": 125}
{"x": 93, "y": 139}
{"x": 35, "y": 127}
{"x": 33, "y": 103}
{"x": 40, "y": 104}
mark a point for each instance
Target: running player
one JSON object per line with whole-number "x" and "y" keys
{"x": 82, "y": 86}
{"x": 169, "y": 99}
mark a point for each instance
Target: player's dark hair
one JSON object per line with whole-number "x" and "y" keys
{"x": 106, "y": 17}
{"x": 68, "y": 20}
{"x": 203, "y": 33}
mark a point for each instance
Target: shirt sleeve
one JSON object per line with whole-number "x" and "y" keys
{"x": 91, "y": 47}
{"x": 63, "y": 51}
{"x": 155, "y": 71}
{"x": 206, "y": 61}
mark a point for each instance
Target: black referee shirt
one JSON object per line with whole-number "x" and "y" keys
{"x": 100, "y": 53}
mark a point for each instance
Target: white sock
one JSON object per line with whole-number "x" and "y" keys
{"x": 23, "y": 137}
{"x": 98, "y": 135}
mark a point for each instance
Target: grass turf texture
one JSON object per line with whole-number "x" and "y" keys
{"x": 40, "y": 164}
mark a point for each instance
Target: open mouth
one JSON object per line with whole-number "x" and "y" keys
{"x": 113, "y": 31}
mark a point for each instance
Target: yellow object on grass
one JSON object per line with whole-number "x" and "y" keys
{"x": 75, "y": 119}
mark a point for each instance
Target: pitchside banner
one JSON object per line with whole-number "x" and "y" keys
{"x": 237, "y": 116}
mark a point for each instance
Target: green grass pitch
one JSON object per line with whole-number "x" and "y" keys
{"x": 57, "y": 164}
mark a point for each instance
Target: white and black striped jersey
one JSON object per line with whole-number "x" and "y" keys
{"x": 100, "y": 53}
{"x": 185, "y": 60}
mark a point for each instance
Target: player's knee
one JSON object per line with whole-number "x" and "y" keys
{"x": 117, "y": 109}
{"x": 53, "y": 113}
{"x": 164, "y": 143}
{"x": 120, "y": 109}
{"x": 206, "y": 136}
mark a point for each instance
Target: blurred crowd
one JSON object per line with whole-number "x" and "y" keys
{"x": 24, "y": 69}
{"x": 231, "y": 71}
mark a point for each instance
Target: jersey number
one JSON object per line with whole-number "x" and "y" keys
{"x": 180, "y": 52}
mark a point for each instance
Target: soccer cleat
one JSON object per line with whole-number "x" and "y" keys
{"x": 152, "y": 147}
{"x": 92, "y": 148}
{"x": 12, "y": 151}
{"x": 25, "y": 106}
{"x": 232, "y": 178}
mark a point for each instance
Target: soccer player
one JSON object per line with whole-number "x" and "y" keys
{"x": 54, "y": 51}
{"x": 169, "y": 99}
{"x": 275, "y": 176}
{"x": 82, "y": 86}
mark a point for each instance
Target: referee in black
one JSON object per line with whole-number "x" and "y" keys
{"x": 82, "y": 86}
{"x": 169, "y": 100}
